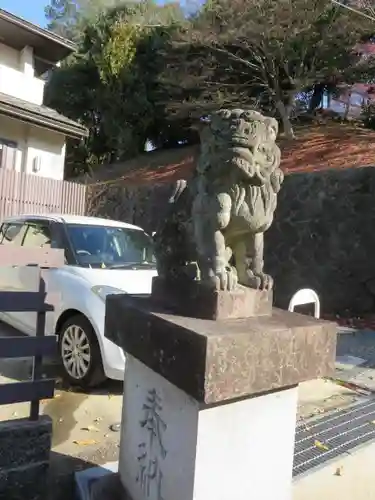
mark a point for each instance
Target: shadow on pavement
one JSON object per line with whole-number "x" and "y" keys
{"x": 360, "y": 343}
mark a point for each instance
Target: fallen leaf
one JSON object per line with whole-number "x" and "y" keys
{"x": 110, "y": 396}
{"x": 320, "y": 445}
{"x": 85, "y": 442}
{"x": 97, "y": 419}
{"x": 338, "y": 471}
{"x": 90, "y": 428}
{"x": 15, "y": 414}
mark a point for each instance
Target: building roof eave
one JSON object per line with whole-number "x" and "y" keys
{"x": 41, "y": 116}
{"x": 18, "y": 33}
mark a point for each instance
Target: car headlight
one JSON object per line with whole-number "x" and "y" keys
{"x": 102, "y": 291}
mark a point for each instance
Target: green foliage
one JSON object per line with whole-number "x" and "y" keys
{"x": 262, "y": 53}
{"x": 68, "y": 18}
{"x": 145, "y": 72}
{"x": 62, "y": 17}
{"x": 120, "y": 50}
{"x": 111, "y": 85}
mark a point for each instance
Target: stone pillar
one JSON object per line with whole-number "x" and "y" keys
{"x": 27, "y": 61}
{"x": 210, "y": 406}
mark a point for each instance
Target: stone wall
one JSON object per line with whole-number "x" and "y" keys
{"x": 24, "y": 458}
{"x": 142, "y": 205}
{"x": 323, "y": 236}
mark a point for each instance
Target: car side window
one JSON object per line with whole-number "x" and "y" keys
{"x": 37, "y": 235}
{"x": 12, "y": 233}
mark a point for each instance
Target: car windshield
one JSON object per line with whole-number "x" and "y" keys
{"x": 111, "y": 247}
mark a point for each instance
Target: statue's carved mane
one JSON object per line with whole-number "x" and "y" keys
{"x": 251, "y": 156}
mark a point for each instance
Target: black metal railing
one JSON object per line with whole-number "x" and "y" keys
{"x": 24, "y": 268}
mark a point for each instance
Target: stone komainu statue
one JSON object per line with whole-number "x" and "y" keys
{"x": 214, "y": 230}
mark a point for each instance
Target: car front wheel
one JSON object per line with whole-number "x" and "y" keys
{"x": 80, "y": 353}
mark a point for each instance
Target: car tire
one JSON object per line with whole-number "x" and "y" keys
{"x": 84, "y": 366}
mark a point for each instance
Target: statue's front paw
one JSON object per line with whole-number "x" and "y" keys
{"x": 226, "y": 279}
{"x": 260, "y": 281}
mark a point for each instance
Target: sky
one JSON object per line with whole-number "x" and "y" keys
{"x": 31, "y": 10}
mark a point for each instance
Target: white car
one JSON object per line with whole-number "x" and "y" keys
{"x": 101, "y": 257}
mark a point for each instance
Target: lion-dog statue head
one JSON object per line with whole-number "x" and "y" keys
{"x": 238, "y": 149}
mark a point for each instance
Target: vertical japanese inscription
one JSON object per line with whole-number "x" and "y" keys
{"x": 151, "y": 451}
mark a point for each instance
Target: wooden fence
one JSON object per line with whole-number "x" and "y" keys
{"x": 27, "y": 193}
{"x": 16, "y": 299}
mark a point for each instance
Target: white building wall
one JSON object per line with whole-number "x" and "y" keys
{"x": 49, "y": 146}
{"x": 9, "y": 57}
{"x": 17, "y": 75}
{"x": 33, "y": 142}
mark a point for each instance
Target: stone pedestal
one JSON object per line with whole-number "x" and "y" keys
{"x": 240, "y": 450}
{"x": 190, "y": 298}
{"x": 210, "y": 406}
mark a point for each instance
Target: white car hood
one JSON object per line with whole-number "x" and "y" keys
{"x": 130, "y": 281}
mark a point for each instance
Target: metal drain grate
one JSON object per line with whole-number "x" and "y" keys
{"x": 340, "y": 431}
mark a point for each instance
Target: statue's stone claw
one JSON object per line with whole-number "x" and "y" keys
{"x": 260, "y": 281}
{"x": 226, "y": 279}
